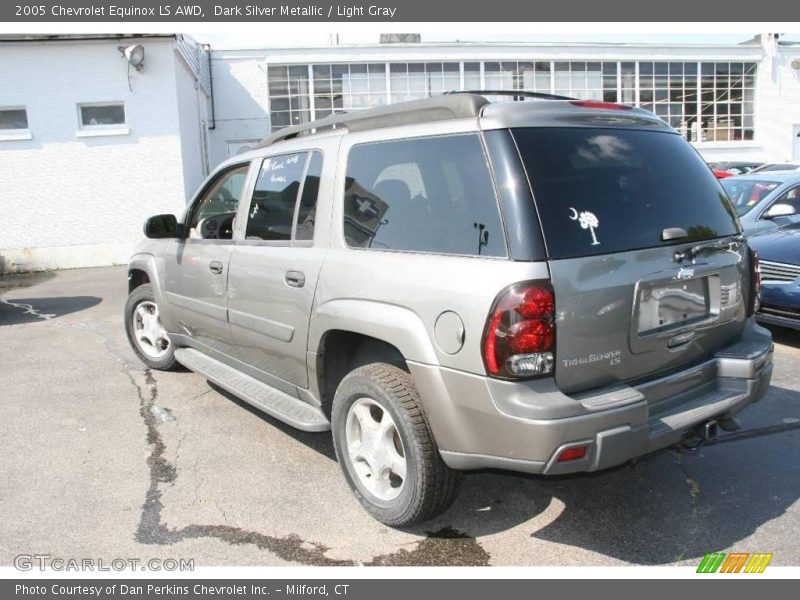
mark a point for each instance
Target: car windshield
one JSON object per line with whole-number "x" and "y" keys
{"x": 745, "y": 194}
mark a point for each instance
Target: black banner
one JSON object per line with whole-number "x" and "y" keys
{"x": 441, "y": 11}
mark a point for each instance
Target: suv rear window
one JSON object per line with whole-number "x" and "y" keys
{"x": 600, "y": 191}
{"x": 431, "y": 194}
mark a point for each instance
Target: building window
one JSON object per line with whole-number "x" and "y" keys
{"x": 289, "y": 95}
{"x": 14, "y": 123}
{"x": 669, "y": 89}
{"x": 411, "y": 81}
{"x": 704, "y": 101}
{"x": 107, "y": 118}
{"x": 348, "y": 87}
{"x": 589, "y": 80}
{"x": 472, "y": 76}
{"x": 727, "y": 101}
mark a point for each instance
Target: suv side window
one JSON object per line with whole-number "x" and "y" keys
{"x": 306, "y": 211}
{"x": 423, "y": 195}
{"x": 214, "y": 212}
{"x": 272, "y": 207}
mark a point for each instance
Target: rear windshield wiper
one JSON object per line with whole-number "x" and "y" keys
{"x": 719, "y": 244}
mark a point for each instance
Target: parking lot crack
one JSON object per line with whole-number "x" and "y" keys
{"x": 693, "y": 488}
{"x": 445, "y": 546}
{"x": 27, "y": 309}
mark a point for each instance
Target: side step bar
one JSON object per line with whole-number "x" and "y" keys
{"x": 275, "y": 403}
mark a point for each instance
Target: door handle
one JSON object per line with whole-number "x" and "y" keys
{"x": 295, "y": 279}
{"x": 215, "y": 267}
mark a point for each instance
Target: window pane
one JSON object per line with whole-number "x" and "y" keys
{"x": 653, "y": 180}
{"x": 320, "y": 71}
{"x": 272, "y": 206}
{"x": 424, "y": 195}
{"x": 291, "y": 83}
{"x": 727, "y": 104}
{"x": 13, "y": 118}
{"x": 108, "y": 114}
{"x": 306, "y": 213}
{"x": 213, "y": 214}
{"x": 472, "y": 76}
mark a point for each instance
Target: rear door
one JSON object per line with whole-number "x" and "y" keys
{"x": 274, "y": 269}
{"x": 644, "y": 252}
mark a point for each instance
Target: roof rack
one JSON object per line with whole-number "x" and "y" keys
{"x": 521, "y": 94}
{"x": 436, "y": 108}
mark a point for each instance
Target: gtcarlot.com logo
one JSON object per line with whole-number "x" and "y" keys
{"x": 43, "y": 562}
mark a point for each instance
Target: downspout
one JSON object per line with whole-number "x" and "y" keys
{"x": 213, "y": 124}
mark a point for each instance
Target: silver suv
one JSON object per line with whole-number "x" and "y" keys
{"x": 546, "y": 286}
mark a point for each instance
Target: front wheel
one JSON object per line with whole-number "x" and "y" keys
{"x": 146, "y": 334}
{"x": 386, "y": 449}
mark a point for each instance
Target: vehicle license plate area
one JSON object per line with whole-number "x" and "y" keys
{"x": 667, "y": 306}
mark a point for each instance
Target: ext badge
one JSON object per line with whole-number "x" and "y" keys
{"x": 587, "y": 220}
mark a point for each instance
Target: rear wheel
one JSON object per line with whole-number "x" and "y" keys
{"x": 386, "y": 449}
{"x": 146, "y": 334}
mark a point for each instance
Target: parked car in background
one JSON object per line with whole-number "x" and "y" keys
{"x": 720, "y": 174}
{"x": 784, "y": 166}
{"x": 765, "y": 202}
{"x": 737, "y": 167}
{"x": 780, "y": 276}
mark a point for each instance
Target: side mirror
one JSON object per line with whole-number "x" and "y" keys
{"x": 779, "y": 210}
{"x": 163, "y": 226}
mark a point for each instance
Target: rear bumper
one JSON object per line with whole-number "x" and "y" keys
{"x": 523, "y": 426}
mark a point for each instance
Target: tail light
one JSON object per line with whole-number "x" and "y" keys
{"x": 574, "y": 453}
{"x": 520, "y": 332}
{"x": 755, "y": 283}
{"x": 600, "y": 104}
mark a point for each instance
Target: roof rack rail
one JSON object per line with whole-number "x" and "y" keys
{"x": 427, "y": 110}
{"x": 515, "y": 93}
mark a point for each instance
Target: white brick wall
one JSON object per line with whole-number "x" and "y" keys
{"x": 68, "y": 201}
{"x": 241, "y": 103}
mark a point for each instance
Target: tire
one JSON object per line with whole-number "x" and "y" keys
{"x": 429, "y": 486}
{"x": 160, "y": 356}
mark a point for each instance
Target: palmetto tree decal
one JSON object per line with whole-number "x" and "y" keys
{"x": 587, "y": 220}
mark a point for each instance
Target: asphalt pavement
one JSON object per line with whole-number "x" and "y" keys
{"x": 104, "y": 459}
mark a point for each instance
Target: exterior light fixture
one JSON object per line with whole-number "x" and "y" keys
{"x": 134, "y": 54}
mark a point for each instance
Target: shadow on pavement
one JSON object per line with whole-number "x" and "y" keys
{"x": 670, "y": 506}
{"x": 17, "y": 311}
{"x": 673, "y": 505}
{"x": 785, "y": 336}
{"x": 321, "y": 443}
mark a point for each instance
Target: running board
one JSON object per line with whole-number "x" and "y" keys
{"x": 275, "y": 403}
